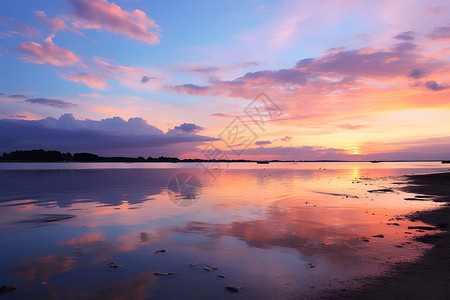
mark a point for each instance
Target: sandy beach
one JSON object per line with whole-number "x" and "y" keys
{"x": 428, "y": 277}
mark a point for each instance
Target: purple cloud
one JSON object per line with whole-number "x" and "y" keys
{"x": 18, "y": 28}
{"x": 405, "y": 36}
{"x": 440, "y": 33}
{"x": 434, "y": 86}
{"x": 50, "y": 102}
{"x": 111, "y": 136}
{"x": 261, "y": 143}
{"x": 418, "y": 73}
{"x": 17, "y": 96}
{"x": 186, "y": 128}
{"x": 337, "y": 70}
{"x": 191, "y": 89}
{"x": 147, "y": 79}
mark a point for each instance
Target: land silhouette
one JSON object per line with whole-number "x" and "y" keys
{"x": 40, "y": 155}
{"x": 57, "y": 156}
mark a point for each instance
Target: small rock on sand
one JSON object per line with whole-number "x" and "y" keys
{"x": 233, "y": 288}
{"x": 114, "y": 265}
{"x": 163, "y": 274}
{"x": 379, "y": 236}
{"x": 7, "y": 288}
{"x": 381, "y": 191}
{"x": 422, "y": 227}
{"x": 159, "y": 251}
{"x": 221, "y": 276}
{"x": 311, "y": 265}
{"x": 210, "y": 268}
{"x": 394, "y": 224}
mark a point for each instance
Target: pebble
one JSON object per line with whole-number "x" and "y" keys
{"x": 7, "y": 288}
{"x": 163, "y": 274}
{"x": 114, "y": 265}
{"x": 233, "y": 288}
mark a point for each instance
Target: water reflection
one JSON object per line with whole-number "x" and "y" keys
{"x": 264, "y": 228}
{"x": 66, "y": 187}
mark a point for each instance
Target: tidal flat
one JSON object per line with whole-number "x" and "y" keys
{"x": 151, "y": 231}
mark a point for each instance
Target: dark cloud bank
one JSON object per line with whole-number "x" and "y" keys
{"x": 111, "y": 136}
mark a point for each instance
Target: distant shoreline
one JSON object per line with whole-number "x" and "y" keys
{"x": 214, "y": 161}
{"x": 53, "y": 156}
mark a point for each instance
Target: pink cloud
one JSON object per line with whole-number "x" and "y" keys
{"x": 18, "y": 28}
{"x": 92, "y": 80}
{"x": 363, "y": 81}
{"x": 47, "y": 52}
{"x": 338, "y": 70}
{"x": 100, "y": 14}
{"x": 216, "y": 69}
{"x": 56, "y": 24}
{"x": 190, "y": 89}
{"x": 351, "y": 127}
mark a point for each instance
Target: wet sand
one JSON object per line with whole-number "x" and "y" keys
{"x": 429, "y": 277}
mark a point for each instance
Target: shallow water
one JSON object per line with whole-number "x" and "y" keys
{"x": 279, "y": 230}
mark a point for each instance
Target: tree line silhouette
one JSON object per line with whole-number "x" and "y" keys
{"x": 57, "y": 156}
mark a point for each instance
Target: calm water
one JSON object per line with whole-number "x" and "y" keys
{"x": 279, "y": 230}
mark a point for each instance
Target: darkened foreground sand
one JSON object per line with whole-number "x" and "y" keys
{"x": 429, "y": 277}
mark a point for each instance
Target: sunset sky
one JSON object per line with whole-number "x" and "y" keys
{"x": 351, "y": 79}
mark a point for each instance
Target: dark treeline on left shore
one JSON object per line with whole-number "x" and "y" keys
{"x": 57, "y": 156}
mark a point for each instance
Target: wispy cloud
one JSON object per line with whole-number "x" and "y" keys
{"x": 93, "y": 80}
{"x": 440, "y": 33}
{"x": 18, "y": 28}
{"x": 16, "y": 96}
{"x": 351, "y": 127}
{"x": 405, "y": 36}
{"x": 50, "y": 102}
{"x": 56, "y": 24}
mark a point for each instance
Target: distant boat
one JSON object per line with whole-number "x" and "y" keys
{"x": 446, "y": 161}
{"x": 375, "y": 161}
{"x": 264, "y": 162}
